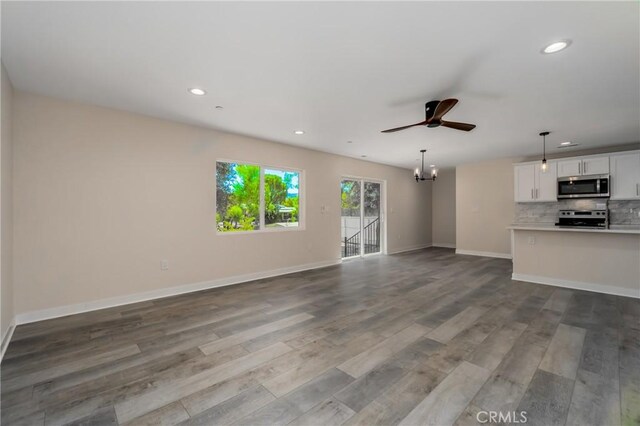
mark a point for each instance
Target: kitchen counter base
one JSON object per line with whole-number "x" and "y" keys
{"x": 606, "y": 263}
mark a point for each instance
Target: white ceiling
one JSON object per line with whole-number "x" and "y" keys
{"x": 345, "y": 71}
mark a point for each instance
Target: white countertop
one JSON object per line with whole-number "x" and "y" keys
{"x": 550, "y": 227}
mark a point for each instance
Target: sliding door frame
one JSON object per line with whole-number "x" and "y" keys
{"x": 383, "y": 213}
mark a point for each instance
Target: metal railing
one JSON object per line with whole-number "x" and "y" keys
{"x": 351, "y": 245}
{"x": 371, "y": 235}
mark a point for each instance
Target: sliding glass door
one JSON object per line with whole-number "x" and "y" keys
{"x": 361, "y": 218}
{"x": 351, "y": 218}
{"x": 371, "y": 207}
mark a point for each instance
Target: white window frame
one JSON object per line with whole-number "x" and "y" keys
{"x": 262, "y": 226}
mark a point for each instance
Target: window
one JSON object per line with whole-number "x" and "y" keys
{"x": 252, "y": 198}
{"x": 281, "y": 198}
{"x": 237, "y": 197}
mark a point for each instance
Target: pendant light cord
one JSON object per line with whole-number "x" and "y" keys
{"x": 544, "y": 146}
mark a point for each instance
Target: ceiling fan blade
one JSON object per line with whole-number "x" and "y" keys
{"x": 458, "y": 126}
{"x": 422, "y": 123}
{"x": 443, "y": 108}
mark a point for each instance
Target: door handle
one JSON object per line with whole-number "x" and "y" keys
{"x": 584, "y": 167}
{"x": 532, "y": 193}
{"x": 536, "y": 193}
{"x": 579, "y": 168}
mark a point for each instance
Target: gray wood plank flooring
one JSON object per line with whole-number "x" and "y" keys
{"x": 420, "y": 338}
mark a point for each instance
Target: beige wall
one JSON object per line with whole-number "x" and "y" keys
{"x": 485, "y": 206}
{"x": 443, "y": 204}
{"x": 6, "y": 205}
{"x": 608, "y": 262}
{"x": 102, "y": 196}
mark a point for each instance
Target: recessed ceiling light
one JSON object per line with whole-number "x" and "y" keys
{"x": 349, "y": 141}
{"x": 363, "y": 156}
{"x": 556, "y": 46}
{"x": 197, "y": 92}
{"x": 433, "y": 165}
{"x": 568, "y": 145}
{"x": 219, "y": 107}
{"x": 299, "y": 132}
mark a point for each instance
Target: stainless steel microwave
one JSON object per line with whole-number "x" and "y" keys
{"x": 594, "y": 186}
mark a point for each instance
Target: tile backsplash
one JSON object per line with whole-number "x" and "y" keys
{"x": 620, "y": 212}
{"x": 624, "y": 212}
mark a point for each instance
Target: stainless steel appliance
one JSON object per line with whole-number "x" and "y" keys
{"x": 596, "y": 219}
{"x": 594, "y": 186}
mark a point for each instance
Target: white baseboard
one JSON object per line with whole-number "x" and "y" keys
{"x": 484, "y": 253}
{"x": 62, "y": 311}
{"x": 444, "y": 245}
{"x": 412, "y": 248}
{"x": 578, "y": 285}
{"x": 7, "y": 338}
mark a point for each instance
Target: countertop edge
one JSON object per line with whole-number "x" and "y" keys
{"x": 517, "y": 227}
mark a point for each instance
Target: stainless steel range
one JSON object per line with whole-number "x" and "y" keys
{"x": 595, "y": 219}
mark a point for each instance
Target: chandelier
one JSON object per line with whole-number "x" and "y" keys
{"x": 419, "y": 174}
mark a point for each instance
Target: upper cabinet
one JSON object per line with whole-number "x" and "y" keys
{"x": 569, "y": 167}
{"x": 547, "y": 182}
{"x": 583, "y": 166}
{"x": 625, "y": 176}
{"x": 595, "y": 165}
{"x": 532, "y": 184}
{"x": 524, "y": 182}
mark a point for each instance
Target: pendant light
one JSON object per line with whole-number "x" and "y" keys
{"x": 419, "y": 174}
{"x": 544, "y": 149}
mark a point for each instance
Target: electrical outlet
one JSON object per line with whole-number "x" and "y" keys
{"x": 164, "y": 265}
{"x": 532, "y": 240}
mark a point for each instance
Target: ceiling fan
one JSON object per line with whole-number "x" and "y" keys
{"x": 434, "y": 111}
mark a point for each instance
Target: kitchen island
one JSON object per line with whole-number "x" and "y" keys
{"x": 600, "y": 260}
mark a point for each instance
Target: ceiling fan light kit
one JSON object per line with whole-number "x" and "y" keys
{"x": 434, "y": 111}
{"x": 419, "y": 174}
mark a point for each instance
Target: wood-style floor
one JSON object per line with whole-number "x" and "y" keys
{"x": 425, "y": 337}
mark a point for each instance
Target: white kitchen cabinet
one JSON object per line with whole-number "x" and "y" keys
{"x": 547, "y": 183}
{"x": 583, "y": 166}
{"x": 524, "y": 182}
{"x": 595, "y": 165}
{"x": 572, "y": 167}
{"x": 534, "y": 185}
{"x": 625, "y": 176}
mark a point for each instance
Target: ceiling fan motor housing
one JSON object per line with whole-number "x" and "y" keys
{"x": 430, "y": 109}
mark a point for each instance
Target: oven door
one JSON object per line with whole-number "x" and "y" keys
{"x": 583, "y": 187}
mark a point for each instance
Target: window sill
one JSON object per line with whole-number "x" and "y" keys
{"x": 263, "y": 231}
